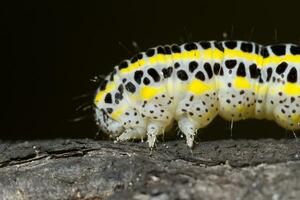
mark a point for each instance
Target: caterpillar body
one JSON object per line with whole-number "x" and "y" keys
{"x": 192, "y": 83}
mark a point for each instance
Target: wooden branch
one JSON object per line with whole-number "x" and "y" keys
{"x": 89, "y": 169}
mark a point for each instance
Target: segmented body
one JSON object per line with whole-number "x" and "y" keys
{"x": 192, "y": 83}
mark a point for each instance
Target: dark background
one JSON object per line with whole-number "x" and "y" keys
{"x": 52, "y": 48}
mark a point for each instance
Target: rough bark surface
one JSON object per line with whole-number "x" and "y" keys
{"x": 89, "y": 169}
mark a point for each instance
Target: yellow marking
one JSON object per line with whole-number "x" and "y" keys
{"x": 279, "y": 59}
{"x": 158, "y": 58}
{"x": 241, "y": 83}
{"x": 176, "y": 56}
{"x": 99, "y": 96}
{"x": 133, "y": 66}
{"x": 148, "y": 92}
{"x": 291, "y": 89}
{"x": 198, "y": 87}
{"x": 191, "y": 55}
{"x": 234, "y": 53}
{"x": 116, "y": 114}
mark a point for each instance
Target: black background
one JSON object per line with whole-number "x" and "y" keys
{"x": 52, "y": 48}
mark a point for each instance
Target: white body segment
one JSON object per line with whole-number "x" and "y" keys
{"x": 191, "y": 84}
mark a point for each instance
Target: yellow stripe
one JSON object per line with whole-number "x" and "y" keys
{"x": 160, "y": 58}
{"x": 133, "y": 66}
{"x": 217, "y": 54}
{"x": 279, "y": 59}
{"x": 233, "y": 53}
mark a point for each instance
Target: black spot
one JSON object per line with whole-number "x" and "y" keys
{"x": 140, "y": 56}
{"x": 103, "y": 85}
{"x": 168, "y": 50}
{"x": 228, "y": 100}
{"x": 278, "y": 50}
{"x": 241, "y": 71}
{"x": 190, "y": 46}
{"x": 123, "y": 65}
{"x": 205, "y": 45}
{"x": 108, "y": 98}
{"x": 154, "y": 74}
{"x": 292, "y": 99}
{"x": 138, "y": 76}
{"x": 175, "y": 48}
{"x": 253, "y": 70}
{"x": 150, "y": 52}
{"x": 230, "y": 64}
{"x": 167, "y": 72}
{"x": 281, "y": 68}
{"x": 182, "y": 75}
{"x": 200, "y": 75}
{"x": 112, "y": 75}
{"x": 230, "y": 44}
{"x": 118, "y": 96}
{"x": 247, "y": 47}
{"x": 121, "y": 88}
{"x": 256, "y": 48}
{"x": 124, "y": 80}
{"x": 216, "y": 68}
{"x": 109, "y": 110}
{"x": 258, "y": 73}
{"x": 176, "y": 65}
{"x": 292, "y": 75}
{"x": 295, "y": 50}
{"x": 221, "y": 71}
{"x": 242, "y": 92}
{"x": 192, "y": 98}
{"x": 269, "y": 73}
{"x": 207, "y": 68}
{"x": 192, "y": 66}
{"x": 219, "y": 46}
{"x": 146, "y": 81}
{"x": 160, "y": 50}
{"x": 264, "y": 52}
{"x": 130, "y": 87}
{"x": 134, "y": 59}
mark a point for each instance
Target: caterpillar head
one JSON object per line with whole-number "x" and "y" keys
{"x": 106, "y": 124}
{"x": 287, "y": 113}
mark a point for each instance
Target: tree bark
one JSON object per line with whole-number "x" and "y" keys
{"x": 90, "y": 169}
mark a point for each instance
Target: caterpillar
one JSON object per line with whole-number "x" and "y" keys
{"x": 192, "y": 83}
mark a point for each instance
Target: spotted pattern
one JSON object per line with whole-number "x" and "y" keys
{"x": 194, "y": 82}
